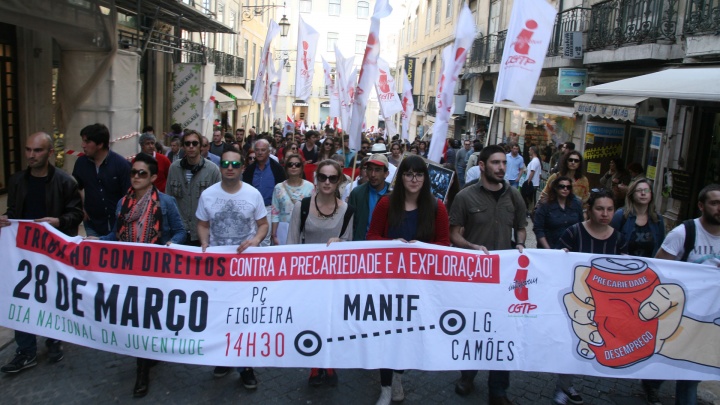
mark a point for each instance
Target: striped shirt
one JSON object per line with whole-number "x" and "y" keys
{"x": 577, "y": 239}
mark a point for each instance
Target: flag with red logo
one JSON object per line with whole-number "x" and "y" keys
{"x": 385, "y": 87}
{"x": 306, "y": 49}
{"x": 332, "y": 90}
{"x": 453, "y": 59}
{"x": 408, "y": 105}
{"x": 368, "y": 73}
{"x": 528, "y": 37}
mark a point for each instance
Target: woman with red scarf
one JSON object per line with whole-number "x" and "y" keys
{"x": 145, "y": 215}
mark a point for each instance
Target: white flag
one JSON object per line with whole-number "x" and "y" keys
{"x": 275, "y": 82}
{"x": 306, "y": 49}
{"x": 453, "y": 59}
{"x": 408, "y": 106}
{"x": 368, "y": 73}
{"x": 345, "y": 83}
{"x": 332, "y": 89}
{"x": 528, "y": 37}
{"x": 261, "y": 93}
{"x": 385, "y": 88}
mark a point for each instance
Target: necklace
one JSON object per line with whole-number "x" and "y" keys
{"x": 323, "y": 215}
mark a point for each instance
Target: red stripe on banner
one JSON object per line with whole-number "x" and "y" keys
{"x": 160, "y": 261}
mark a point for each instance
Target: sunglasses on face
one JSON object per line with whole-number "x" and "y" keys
{"x": 143, "y": 174}
{"x": 227, "y": 163}
{"x": 329, "y": 144}
{"x": 564, "y": 187}
{"x": 192, "y": 143}
{"x": 293, "y": 148}
{"x": 573, "y": 160}
{"x": 251, "y": 157}
{"x": 322, "y": 178}
{"x": 294, "y": 164}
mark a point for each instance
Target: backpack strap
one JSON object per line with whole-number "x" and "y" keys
{"x": 346, "y": 219}
{"x": 304, "y": 212}
{"x": 689, "y": 244}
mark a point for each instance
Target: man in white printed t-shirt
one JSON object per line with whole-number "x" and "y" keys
{"x": 706, "y": 250}
{"x": 232, "y": 213}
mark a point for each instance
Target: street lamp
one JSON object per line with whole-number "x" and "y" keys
{"x": 287, "y": 65}
{"x": 250, "y": 12}
{"x": 284, "y": 26}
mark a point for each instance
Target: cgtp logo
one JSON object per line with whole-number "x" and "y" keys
{"x": 520, "y": 289}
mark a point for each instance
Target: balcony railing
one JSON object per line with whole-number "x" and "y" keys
{"x": 487, "y": 50}
{"x": 573, "y": 19}
{"x": 431, "y": 109}
{"x": 228, "y": 65}
{"x": 702, "y": 17}
{"x": 418, "y": 101}
{"x": 626, "y": 22}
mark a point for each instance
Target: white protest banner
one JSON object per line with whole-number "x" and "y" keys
{"x": 528, "y": 37}
{"x": 368, "y": 74}
{"x": 261, "y": 92}
{"x": 408, "y": 106}
{"x": 345, "y": 80}
{"x": 306, "y": 49}
{"x": 375, "y": 304}
{"x": 453, "y": 59}
{"x": 385, "y": 87}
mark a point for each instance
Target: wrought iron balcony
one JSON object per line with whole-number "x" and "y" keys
{"x": 573, "y": 19}
{"x": 228, "y": 65}
{"x": 702, "y": 17}
{"x": 627, "y": 22}
{"x": 487, "y": 50}
{"x": 418, "y": 102}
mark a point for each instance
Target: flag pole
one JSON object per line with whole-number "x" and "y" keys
{"x": 487, "y": 133}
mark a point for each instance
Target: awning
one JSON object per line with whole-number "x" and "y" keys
{"x": 224, "y": 103}
{"x": 479, "y": 108}
{"x": 174, "y": 12}
{"x": 242, "y": 97}
{"x": 540, "y": 108}
{"x": 682, "y": 84}
{"x": 622, "y": 108}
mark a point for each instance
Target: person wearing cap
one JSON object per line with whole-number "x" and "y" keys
{"x": 365, "y": 197}
{"x": 147, "y": 146}
{"x": 381, "y": 148}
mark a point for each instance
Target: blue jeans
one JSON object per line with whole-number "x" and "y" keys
{"x": 685, "y": 390}
{"x": 461, "y": 175}
{"x": 498, "y": 381}
{"x": 514, "y": 183}
{"x": 27, "y": 343}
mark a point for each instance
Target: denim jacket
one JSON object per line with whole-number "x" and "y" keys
{"x": 173, "y": 229}
{"x": 627, "y": 225}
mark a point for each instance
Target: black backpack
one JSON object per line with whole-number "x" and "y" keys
{"x": 305, "y": 211}
{"x": 689, "y": 239}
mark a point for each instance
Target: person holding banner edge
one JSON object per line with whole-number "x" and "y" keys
{"x": 44, "y": 194}
{"x": 409, "y": 214}
{"x": 480, "y": 220}
{"x": 232, "y": 212}
{"x": 146, "y": 215}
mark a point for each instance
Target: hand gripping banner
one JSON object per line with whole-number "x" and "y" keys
{"x": 366, "y": 305}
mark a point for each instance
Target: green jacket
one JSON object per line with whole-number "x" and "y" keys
{"x": 360, "y": 200}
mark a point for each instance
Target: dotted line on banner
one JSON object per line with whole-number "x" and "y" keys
{"x": 382, "y": 333}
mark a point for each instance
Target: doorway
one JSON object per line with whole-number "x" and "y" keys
{"x": 10, "y": 147}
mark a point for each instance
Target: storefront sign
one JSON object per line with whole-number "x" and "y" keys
{"x": 572, "y": 45}
{"x": 300, "y": 104}
{"x": 325, "y": 104}
{"x": 681, "y": 185}
{"x": 410, "y": 69}
{"x": 603, "y": 142}
{"x": 615, "y": 112}
{"x": 350, "y": 304}
{"x": 572, "y": 82}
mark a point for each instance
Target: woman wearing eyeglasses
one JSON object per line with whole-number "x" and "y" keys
{"x": 639, "y": 222}
{"x": 286, "y": 194}
{"x": 571, "y": 166}
{"x": 325, "y": 218}
{"x": 145, "y": 215}
{"x": 556, "y": 213}
{"x": 411, "y": 213}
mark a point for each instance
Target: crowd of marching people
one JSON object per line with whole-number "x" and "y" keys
{"x": 248, "y": 190}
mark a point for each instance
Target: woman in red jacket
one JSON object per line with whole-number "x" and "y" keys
{"x": 409, "y": 214}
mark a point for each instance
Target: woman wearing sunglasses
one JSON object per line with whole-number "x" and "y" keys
{"x": 411, "y": 213}
{"x": 145, "y": 215}
{"x": 286, "y": 194}
{"x": 322, "y": 218}
{"x": 556, "y": 213}
{"x": 327, "y": 150}
{"x": 571, "y": 166}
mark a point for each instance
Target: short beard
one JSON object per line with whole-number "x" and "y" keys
{"x": 493, "y": 180}
{"x": 710, "y": 219}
